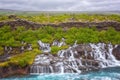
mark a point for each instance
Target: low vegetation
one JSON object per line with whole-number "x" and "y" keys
{"x": 52, "y": 18}
{"x": 55, "y": 49}
{"x": 48, "y": 34}
{"x": 58, "y": 18}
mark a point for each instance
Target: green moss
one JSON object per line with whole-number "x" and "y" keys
{"x": 55, "y": 49}
{"x": 4, "y": 64}
{"x": 22, "y": 60}
{"x": 1, "y": 50}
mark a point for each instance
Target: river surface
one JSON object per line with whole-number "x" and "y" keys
{"x": 103, "y": 74}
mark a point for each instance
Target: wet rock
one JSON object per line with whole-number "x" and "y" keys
{"x": 81, "y": 50}
{"x": 13, "y": 71}
{"x": 43, "y": 59}
{"x": 116, "y": 52}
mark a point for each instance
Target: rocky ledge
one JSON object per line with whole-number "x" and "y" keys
{"x": 13, "y": 71}
{"x": 29, "y": 24}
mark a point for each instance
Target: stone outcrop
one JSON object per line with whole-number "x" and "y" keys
{"x": 116, "y": 52}
{"x": 13, "y": 71}
{"x": 28, "y": 24}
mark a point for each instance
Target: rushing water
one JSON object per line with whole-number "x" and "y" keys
{"x": 103, "y": 74}
{"x": 87, "y": 57}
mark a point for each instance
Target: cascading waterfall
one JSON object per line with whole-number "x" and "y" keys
{"x": 59, "y": 44}
{"x": 104, "y": 55}
{"x": 72, "y": 60}
{"x": 45, "y": 47}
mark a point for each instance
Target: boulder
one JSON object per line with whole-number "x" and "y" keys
{"x": 81, "y": 50}
{"x": 12, "y": 16}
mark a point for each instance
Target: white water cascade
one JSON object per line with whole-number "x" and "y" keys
{"x": 104, "y": 55}
{"x": 59, "y": 44}
{"x": 45, "y": 47}
{"x": 75, "y": 59}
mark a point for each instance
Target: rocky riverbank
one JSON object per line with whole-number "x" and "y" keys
{"x": 13, "y": 71}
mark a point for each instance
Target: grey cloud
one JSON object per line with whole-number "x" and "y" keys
{"x": 61, "y": 5}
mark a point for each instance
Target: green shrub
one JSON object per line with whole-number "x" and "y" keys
{"x": 48, "y": 35}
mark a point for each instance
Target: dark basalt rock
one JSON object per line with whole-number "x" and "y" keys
{"x": 82, "y": 48}
{"x": 116, "y": 52}
{"x": 81, "y": 51}
{"x": 29, "y": 24}
{"x": 13, "y": 71}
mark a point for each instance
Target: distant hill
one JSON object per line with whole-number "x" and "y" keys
{"x": 10, "y": 11}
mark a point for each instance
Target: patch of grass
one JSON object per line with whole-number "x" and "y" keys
{"x": 55, "y": 49}
{"x": 22, "y": 60}
{"x": 1, "y": 50}
{"x": 57, "y": 18}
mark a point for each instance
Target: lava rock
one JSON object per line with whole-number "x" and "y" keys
{"x": 81, "y": 50}
{"x": 116, "y": 52}
{"x": 13, "y": 71}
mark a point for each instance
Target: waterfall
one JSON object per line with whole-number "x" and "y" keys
{"x": 104, "y": 55}
{"x": 59, "y": 44}
{"x": 75, "y": 59}
{"x": 45, "y": 47}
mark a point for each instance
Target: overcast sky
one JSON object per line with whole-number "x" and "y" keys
{"x": 61, "y": 5}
